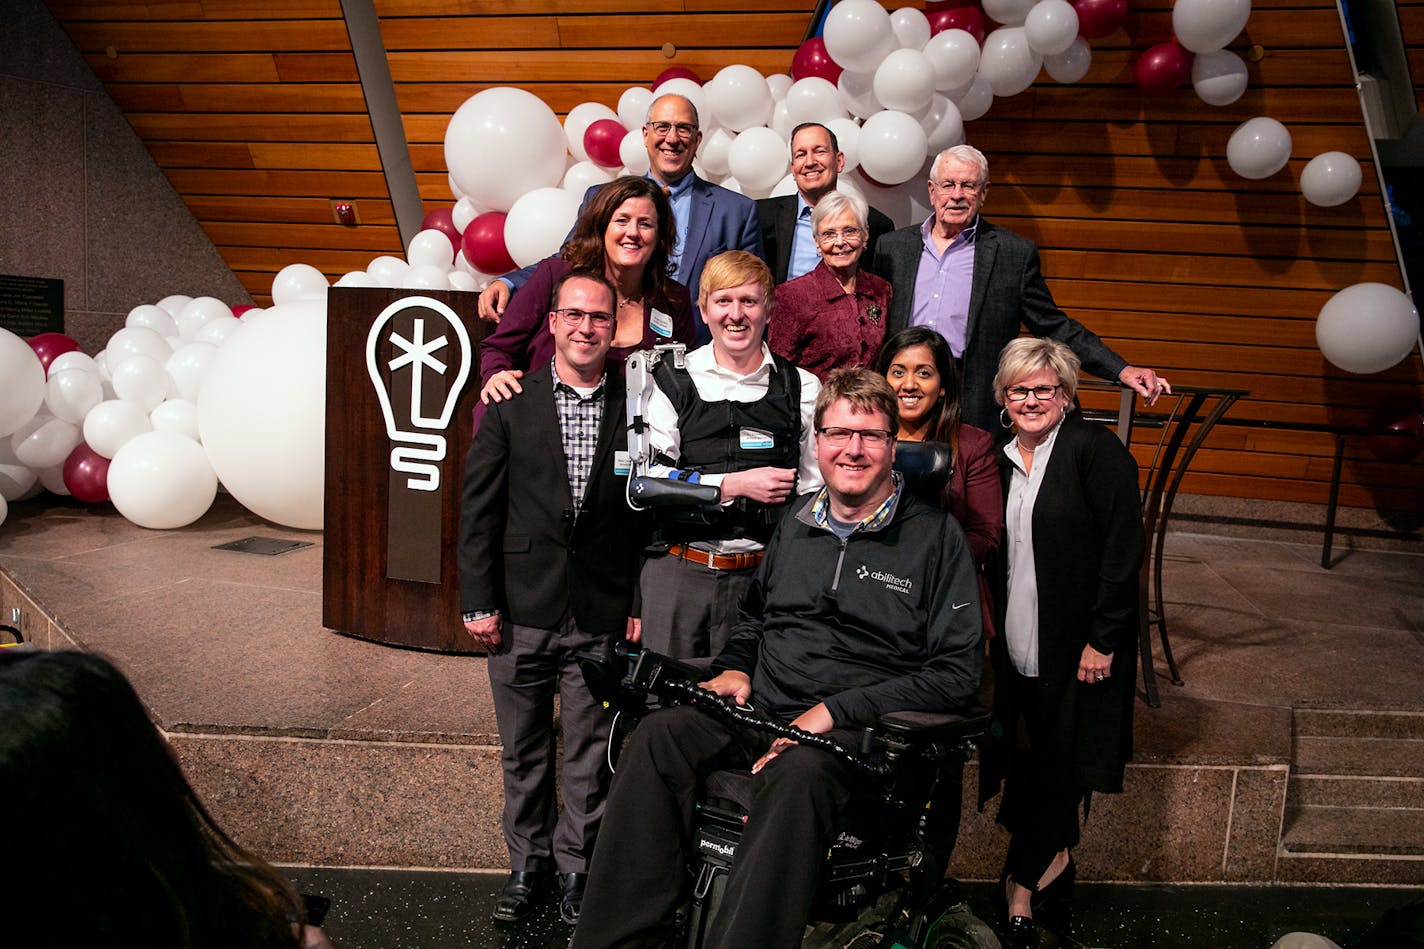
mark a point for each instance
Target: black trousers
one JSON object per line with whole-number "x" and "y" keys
{"x": 639, "y": 879}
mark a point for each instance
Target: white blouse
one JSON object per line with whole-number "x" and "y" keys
{"x": 1021, "y": 612}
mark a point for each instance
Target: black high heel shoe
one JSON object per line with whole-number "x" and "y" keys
{"x": 1018, "y": 932}
{"x": 1053, "y": 905}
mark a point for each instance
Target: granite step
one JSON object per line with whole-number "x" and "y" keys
{"x": 1364, "y": 831}
{"x": 1353, "y": 755}
{"x": 1330, "y": 790}
{"x": 1357, "y": 723}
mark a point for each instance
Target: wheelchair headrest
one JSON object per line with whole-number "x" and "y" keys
{"x": 923, "y": 464}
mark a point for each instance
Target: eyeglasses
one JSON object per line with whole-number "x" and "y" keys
{"x": 848, "y": 234}
{"x": 968, "y": 187}
{"x": 574, "y": 318}
{"x": 1041, "y": 393}
{"x": 869, "y": 437}
{"x": 685, "y": 130}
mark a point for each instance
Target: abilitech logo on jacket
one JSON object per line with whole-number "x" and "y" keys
{"x": 892, "y": 582}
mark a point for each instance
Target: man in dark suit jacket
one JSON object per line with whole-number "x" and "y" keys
{"x": 548, "y": 563}
{"x": 816, "y": 164}
{"x": 978, "y": 284}
{"x": 709, "y": 218}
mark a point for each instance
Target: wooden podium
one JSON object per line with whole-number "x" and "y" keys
{"x": 402, "y": 372}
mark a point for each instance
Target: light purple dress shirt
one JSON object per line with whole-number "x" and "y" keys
{"x": 943, "y": 284}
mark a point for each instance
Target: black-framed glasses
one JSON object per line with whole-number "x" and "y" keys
{"x": 848, "y": 234}
{"x": 869, "y": 437}
{"x": 573, "y": 318}
{"x": 1041, "y": 393}
{"x": 685, "y": 130}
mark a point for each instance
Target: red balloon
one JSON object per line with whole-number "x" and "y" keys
{"x": 1402, "y": 447}
{"x": 676, "y": 72}
{"x": 601, "y": 140}
{"x": 484, "y": 244}
{"x": 1162, "y": 68}
{"x": 241, "y": 308}
{"x": 1099, "y": 18}
{"x": 811, "y": 59}
{"x": 968, "y": 19}
{"x": 935, "y": 6}
{"x": 86, "y": 474}
{"x": 443, "y": 221}
{"x": 49, "y": 346}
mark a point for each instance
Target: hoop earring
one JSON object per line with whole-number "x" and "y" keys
{"x": 1004, "y": 419}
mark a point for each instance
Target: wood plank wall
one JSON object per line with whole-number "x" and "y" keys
{"x": 253, "y": 109}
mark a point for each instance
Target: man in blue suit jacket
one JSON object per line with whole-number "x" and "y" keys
{"x": 709, "y": 218}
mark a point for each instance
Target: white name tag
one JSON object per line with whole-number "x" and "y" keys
{"x": 756, "y": 440}
{"x": 622, "y": 462}
{"x": 661, "y": 323}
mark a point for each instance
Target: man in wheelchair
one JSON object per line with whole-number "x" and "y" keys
{"x": 866, "y": 603}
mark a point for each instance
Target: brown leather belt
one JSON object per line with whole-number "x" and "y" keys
{"x": 741, "y": 561}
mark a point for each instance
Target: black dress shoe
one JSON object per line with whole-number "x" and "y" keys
{"x": 1021, "y": 933}
{"x": 517, "y": 898}
{"x": 571, "y": 896}
{"x": 1053, "y": 905}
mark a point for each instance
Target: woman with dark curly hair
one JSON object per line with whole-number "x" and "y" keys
{"x": 107, "y": 839}
{"x": 625, "y": 233}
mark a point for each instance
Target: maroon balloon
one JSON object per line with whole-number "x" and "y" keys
{"x": 1403, "y": 446}
{"x": 811, "y": 59}
{"x": 50, "y": 346}
{"x": 676, "y": 72}
{"x": 242, "y": 308}
{"x": 1162, "y": 68}
{"x": 442, "y": 220}
{"x": 969, "y": 19}
{"x": 484, "y": 244}
{"x": 1099, "y": 18}
{"x": 934, "y": 6}
{"x": 601, "y": 140}
{"x": 86, "y": 474}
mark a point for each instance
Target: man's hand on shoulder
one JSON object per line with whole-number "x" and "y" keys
{"x": 738, "y": 685}
{"x": 501, "y": 386}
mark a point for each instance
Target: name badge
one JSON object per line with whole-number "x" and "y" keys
{"x": 661, "y": 323}
{"x": 756, "y": 440}
{"x": 622, "y": 462}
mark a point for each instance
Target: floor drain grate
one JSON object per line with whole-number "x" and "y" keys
{"x": 266, "y": 546}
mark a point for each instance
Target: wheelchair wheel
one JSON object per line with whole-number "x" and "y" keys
{"x": 959, "y": 928}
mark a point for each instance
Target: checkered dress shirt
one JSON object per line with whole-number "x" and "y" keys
{"x": 579, "y": 420}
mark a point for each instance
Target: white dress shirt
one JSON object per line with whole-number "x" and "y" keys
{"x": 1021, "y": 612}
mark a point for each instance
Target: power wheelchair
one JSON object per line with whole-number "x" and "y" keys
{"x": 883, "y": 882}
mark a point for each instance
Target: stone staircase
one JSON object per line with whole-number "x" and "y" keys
{"x": 1355, "y": 801}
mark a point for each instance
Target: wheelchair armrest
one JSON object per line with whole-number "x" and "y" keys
{"x": 935, "y": 726}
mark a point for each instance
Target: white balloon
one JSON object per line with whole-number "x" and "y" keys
{"x": 174, "y": 343}
{"x": 162, "y": 480}
{"x": 813, "y": 99}
{"x": 45, "y": 441}
{"x": 262, "y": 415}
{"x": 459, "y": 280}
{"x": 954, "y": 55}
{"x": 1008, "y": 62}
{"x": 253, "y": 313}
{"x": 463, "y": 213}
{"x": 1219, "y": 78}
{"x": 1328, "y": 179}
{"x": 857, "y": 93}
{"x": 455, "y": 190}
{"x": 784, "y": 188}
{"x": 53, "y": 480}
{"x": 1072, "y": 64}
{"x": 943, "y": 125}
{"x": 1008, "y": 12}
{"x": 73, "y": 360}
{"x": 178, "y": 416}
{"x": 1051, "y": 27}
{"x": 217, "y": 331}
{"x": 1258, "y": 148}
{"x": 759, "y": 158}
{"x": 4, "y": 509}
{"x": 893, "y": 147}
{"x": 22, "y": 382}
{"x": 537, "y": 224}
{"x": 905, "y": 81}
{"x": 633, "y": 107}
{"x": 691, "y": 91}
{"x": 16, "y": 477}
{"x": 578, "y": 120}
{"x": 911, "y": 28}
{"x": 71, "y": 393}
{"x": 634, "y": 155}
{"x": 732, "y": 184}
{"x": 781, "y": 120}
{"x": 1367, "y": 327}
{"x": 502, "y": 143}
{"x": 739, "y": 98}
{"x": 298, "y": 282}
{"x": 716, "y": 147}
{"x": 431, "y": 248}
{"x": 976, "y": 100}
{"x": 101, "y": 362}
{"x": 187, "y": 367}
{"x": 387, "y": 271}
{"x": 585, "y": 174}
{"x": 153, "y": 317}
{"x": 109, "y": 425}
{"x": 141, "y": 379}
{"x": 201, "y": 311}
{"x": 858, "y": 34}
{"x": 137, "y": 341}
{"x": 426, "y": 277}
{"x": 779, "y": 84}
{"x": 847, "y": 132}
{"x": 174, "y": 303}
{"x": 1205, "y": 26}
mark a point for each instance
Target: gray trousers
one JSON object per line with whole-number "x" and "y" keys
{"x": 530, "y": 667}
{"x": 689, "y": 609}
